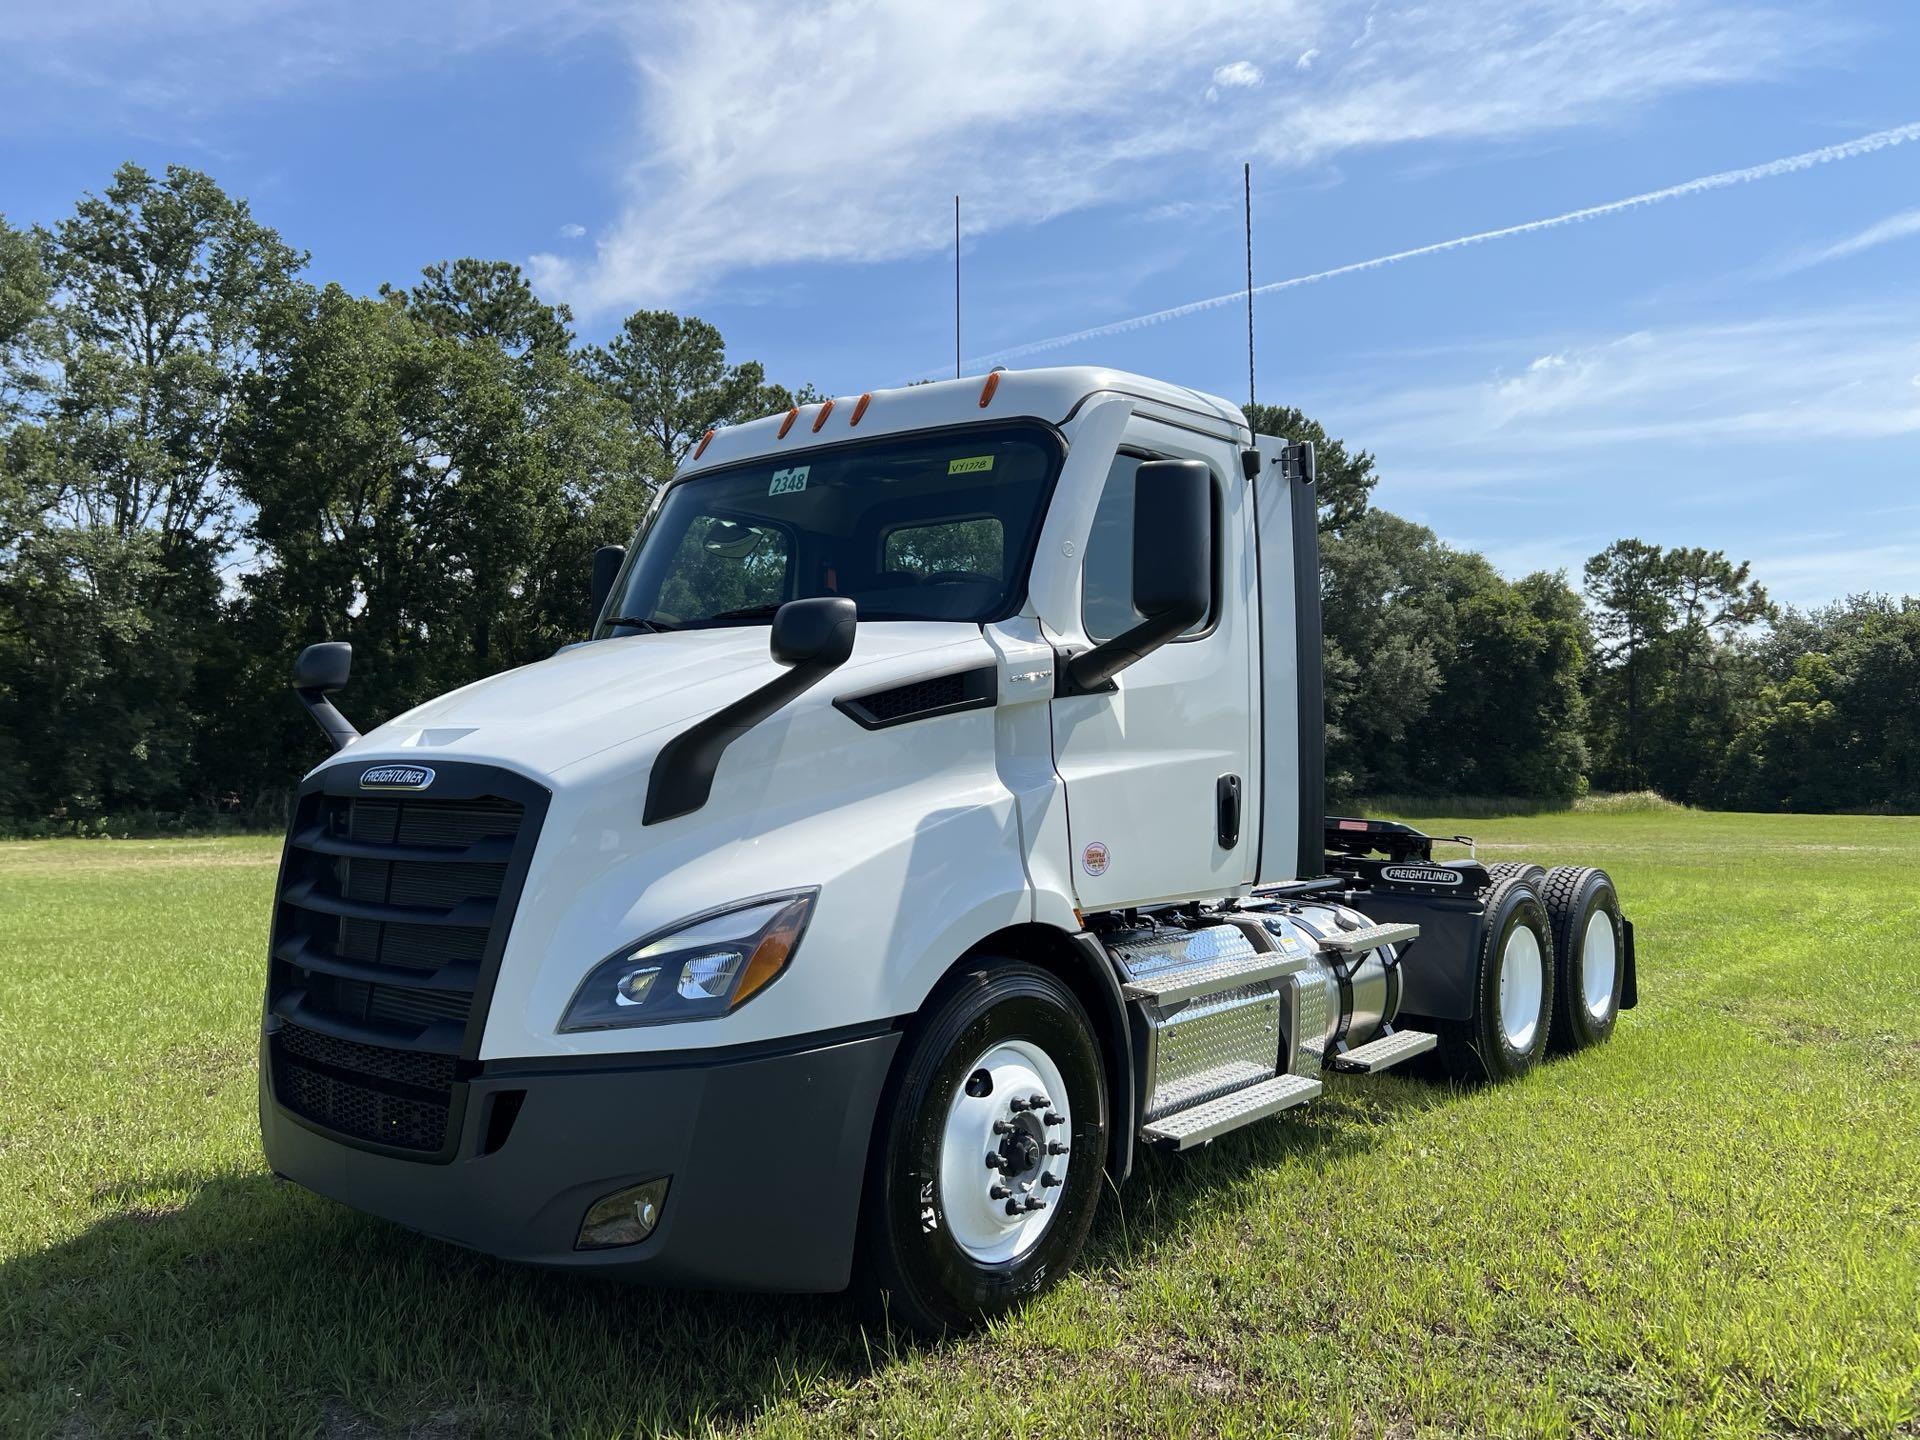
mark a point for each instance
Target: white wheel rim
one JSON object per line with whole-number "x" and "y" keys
{"x": 1522, "y": 987}
{"x": 977, "y": 1217}
{"x": 1598, "y": 962}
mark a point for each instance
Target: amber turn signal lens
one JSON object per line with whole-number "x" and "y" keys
{"x": 776, "y": 947}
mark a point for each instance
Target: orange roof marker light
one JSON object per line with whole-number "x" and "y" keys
{"x": 821, "y": 418}
{"x": 986, "y": 390}
{"x": 787, "y": 424}
{"x": 859, "y": 409}
{"x": 701, "y": 448}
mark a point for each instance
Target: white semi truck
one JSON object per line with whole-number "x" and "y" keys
{"x": 934, "y": 819}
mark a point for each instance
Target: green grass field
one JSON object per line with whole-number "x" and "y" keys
{"x": 1709, "y": 1227}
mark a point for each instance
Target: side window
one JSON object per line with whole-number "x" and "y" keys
{"x": 724, "y": 565}
{"x": 969, "y": 548}
{"x": 1106, "y": 574}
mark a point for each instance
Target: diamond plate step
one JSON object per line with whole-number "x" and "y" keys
{"x": 1188, "y": 981}
{"x": 1369, "y": 937}
{"x": 1186, "y": 1128}
{"x": 1377, "y": 1055}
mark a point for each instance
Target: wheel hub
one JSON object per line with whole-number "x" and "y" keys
{"x": 1521, "y": 988}
{"x": 1004, "y": 1151}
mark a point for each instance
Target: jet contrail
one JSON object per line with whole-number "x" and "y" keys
{"x": 1865, "y": 145}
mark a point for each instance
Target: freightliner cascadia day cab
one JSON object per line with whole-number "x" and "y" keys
{"x": 933, "y": 820}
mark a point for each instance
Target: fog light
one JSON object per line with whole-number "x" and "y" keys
{"x": 625, "y": 1217}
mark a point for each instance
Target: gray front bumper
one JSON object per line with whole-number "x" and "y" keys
{"x": 766, "y": 1155}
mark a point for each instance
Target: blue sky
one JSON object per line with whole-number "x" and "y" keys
{"x": 1735, "y": 366}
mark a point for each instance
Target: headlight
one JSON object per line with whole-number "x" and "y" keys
{"x": 709, "y": 965}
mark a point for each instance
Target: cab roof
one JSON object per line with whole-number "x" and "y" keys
{"x": 1054, "y": 395}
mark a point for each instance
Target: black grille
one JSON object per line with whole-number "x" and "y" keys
{"x": 350, "y": 1104}
{"x": 393, "y": 911}
{"x": 911, "y": 699}
{"x": 418, "y": 1069}
{"x": 923, "y": 699}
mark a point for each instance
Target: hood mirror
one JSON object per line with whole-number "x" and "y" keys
{"x": 816, "y": 632}
{"x": 812, "y": 638}
{"x": 317, "y": 670}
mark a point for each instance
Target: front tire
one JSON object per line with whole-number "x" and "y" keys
{"x": 1590, "y": 946}
{"x": 989, "y": 1152}
{"x": 1507, "y": 1033}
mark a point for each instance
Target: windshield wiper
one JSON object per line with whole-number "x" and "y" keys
{"x": 658, "y": 627}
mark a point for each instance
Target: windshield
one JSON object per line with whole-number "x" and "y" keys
{"x": 937, "y": 526}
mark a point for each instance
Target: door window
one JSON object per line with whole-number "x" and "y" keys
{"x": 1106, "y": 574}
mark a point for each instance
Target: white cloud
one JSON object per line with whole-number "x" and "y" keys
{"x": 768, "y": 133}
{"x": 1307, "y": 57}
{"x": 1768, "y": 438}
{"x": 1721, "y": 180}
{"x": 772, "y": 134}
{"x": 571, "y": 231}
{"x": 1883, "y": 232}
{"x": 1832, "y": 375}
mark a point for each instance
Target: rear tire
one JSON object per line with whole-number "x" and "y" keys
{"x": 939, "y": 1251}
{"x": 1590, "y": 953}
{"x": 1535, "y": 875}
{"x": 1513, "y": 990}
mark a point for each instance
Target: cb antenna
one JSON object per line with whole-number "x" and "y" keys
{"x": 956, "y": 287}
{"x": 1246, "y": 183}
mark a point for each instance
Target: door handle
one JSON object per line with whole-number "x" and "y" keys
{"x": 1226, "y": 792}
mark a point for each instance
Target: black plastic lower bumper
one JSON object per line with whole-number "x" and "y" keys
{"x": 765, "y": 1154}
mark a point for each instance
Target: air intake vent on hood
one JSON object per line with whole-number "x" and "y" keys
{"x": 948, "y": 694}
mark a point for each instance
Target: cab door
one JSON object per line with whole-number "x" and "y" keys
{"x": 1160, "y": 774}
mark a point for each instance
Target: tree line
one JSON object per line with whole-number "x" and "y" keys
{"x": 207, "y": 462}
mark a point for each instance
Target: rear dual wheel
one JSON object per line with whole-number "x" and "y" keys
{"x": 1513, "y": 986}
{"x": 1589, "y": 941}
{"x": 989, "y": 1153}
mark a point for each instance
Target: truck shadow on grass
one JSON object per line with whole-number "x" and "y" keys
{"x": 252, "y": 1305}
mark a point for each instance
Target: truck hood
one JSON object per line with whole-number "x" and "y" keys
{"x": 546, "y": 716}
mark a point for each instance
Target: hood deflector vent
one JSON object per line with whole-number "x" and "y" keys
{"x": 949, "y": 694}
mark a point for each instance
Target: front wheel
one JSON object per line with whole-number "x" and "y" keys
{"x": 988, "y": 1154}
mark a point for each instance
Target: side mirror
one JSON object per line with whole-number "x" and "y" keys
{"x": 812, "y": 638}
{"x": 814, "y": 632}
{"x": 317, "y": 670}
{"x": 323, "y": 667}
{"x": 607, "y": 561}
{"x": 1172, "y": 569}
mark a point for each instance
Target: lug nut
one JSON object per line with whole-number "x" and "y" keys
{"x": 1016, "y": 1105}
{"x": 1048, "y": 1182}
{"x": 1039, "y": 1102}
{"x": 1003, "y": 1127}
{"x": 1013, "y": 1207}
{"x": 1034, "y": 1202}
{"x": 995, "y": 1161}
{"x": 1055, "y": 1147}
{"x": 1053, "y": 1117}
{"x": 998, "y": 1192}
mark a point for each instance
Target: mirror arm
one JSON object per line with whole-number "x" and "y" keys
{"x": 335, "y": 726}
{"x": 1091, "y": 672}
{"x": 682, "y": 775}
